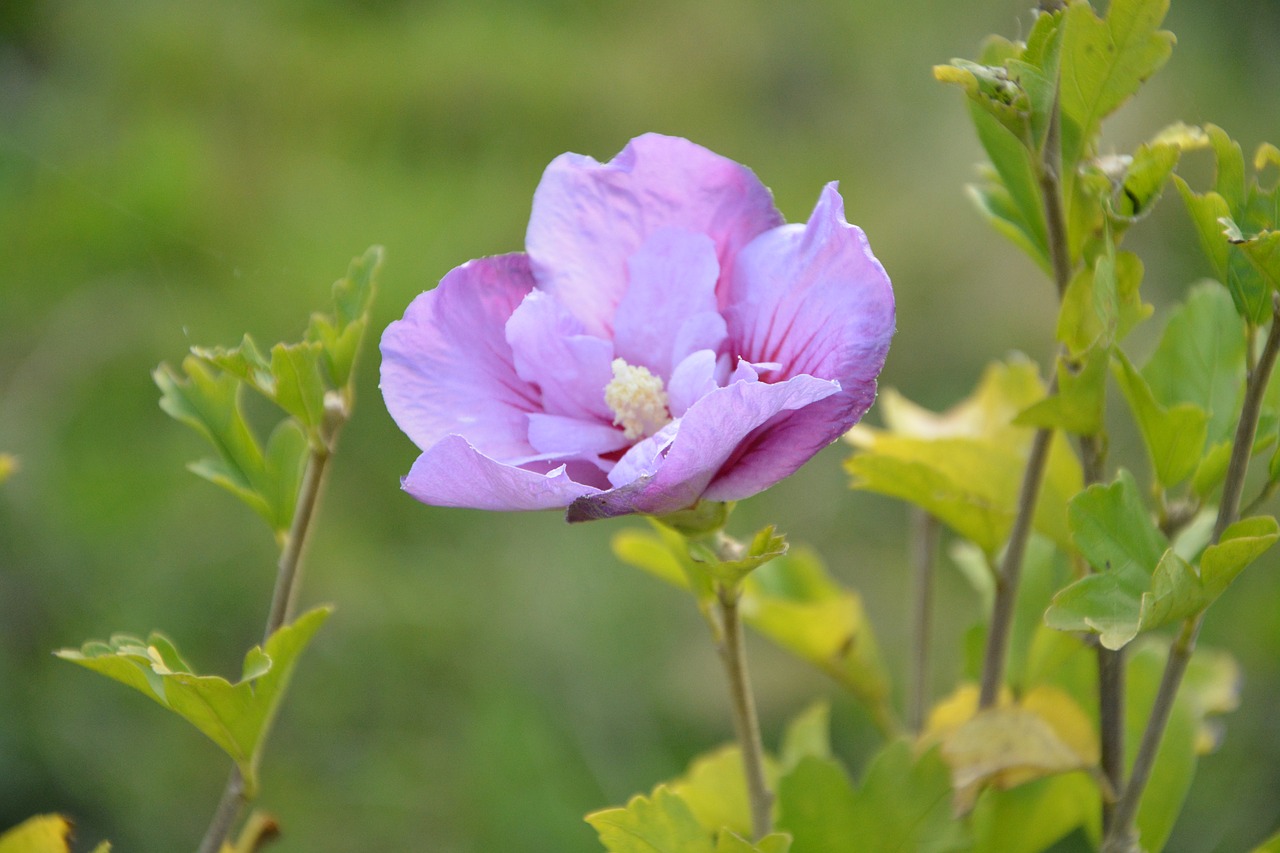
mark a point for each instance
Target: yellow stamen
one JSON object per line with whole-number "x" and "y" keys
{"x": 637, "y": 399}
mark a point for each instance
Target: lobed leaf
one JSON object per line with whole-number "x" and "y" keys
{"x": 1113, "y": 529}
{"x": 662, "y": 823}
{"x": 903, "y": 803}
{"x": 1103, "y": 63}
{"x": 1121, "y": 603}
{"x": 1078, "y": 406}
{"x": 236, "y": 716}
{"x": 765, "y": 545}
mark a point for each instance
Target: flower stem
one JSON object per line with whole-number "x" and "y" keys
{"x": 1122, "y": 837}
{"x": 925, "y": 535}
{"x": 745, "y": 722}
{"x": 233, "y": 798}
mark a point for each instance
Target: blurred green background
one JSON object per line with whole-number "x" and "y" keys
{"x": 180, "y": 173}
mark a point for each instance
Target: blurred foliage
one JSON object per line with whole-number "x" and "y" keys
{"x": 176, "y": 173}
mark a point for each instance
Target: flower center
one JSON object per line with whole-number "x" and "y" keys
{"x": 637, "y": 399}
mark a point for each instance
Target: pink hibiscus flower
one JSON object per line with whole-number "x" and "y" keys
{"x": 665, "y": 339}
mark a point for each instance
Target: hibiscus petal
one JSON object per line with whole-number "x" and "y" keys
{"x": 569, "y": 437}
{"x": 707, "y": 438}
{"x": 447, "y": 369}
{"x": 551, "y": 351}
{"x": 814, "y": 299}
{"x": 453, "y": 473}
{"x": 669, "y": 309}
{"x": 776, "y": 450}
{"x": 691, "y": 380}
{"x": 588, "y": 218}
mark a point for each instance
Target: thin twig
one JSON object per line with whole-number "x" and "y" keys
{"x": 924, "y": 542}
{"x": 1011, "y": 571}
{"x": 1011, "y": 566}
{"x": 291, "y": 557}
{"x": 1122, "y": 836}
{"x": 1111, "y": 664}
{"x": 746, "y": 724}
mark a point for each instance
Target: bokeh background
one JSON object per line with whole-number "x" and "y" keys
{"x": 176, "y": 174}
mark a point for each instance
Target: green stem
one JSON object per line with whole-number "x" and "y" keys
{"x": 1010, "y": 573}
{"x": 1111, "y": 666}
{"x": 233, "y": 798}
{"x": 291, "y": 556}
{"x": 926, "y": 532}
{"x": 746, "y": 724}
{"x": 1122, "y": 837}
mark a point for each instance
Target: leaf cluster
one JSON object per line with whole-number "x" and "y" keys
{"x": 309, "y": 383}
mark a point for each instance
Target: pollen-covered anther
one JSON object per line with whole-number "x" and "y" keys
{"x": 637, "y": 399}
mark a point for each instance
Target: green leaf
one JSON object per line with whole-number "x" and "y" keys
{"x": 283, "y": 465}
{"x": 340, "y": 335}
{"x": 1030, "y": 818}
{"x": 1113, "y": 529}
{"x": 808, "y": 734}
{"x": 649, "y": 552}
{"x": 795, "y": 603}
{"x": 765, "y": 545}
{"x": 1241, "y": 544}
{"x": 1078, "y": 405}
{"x": 1200, "y": 359}
{"x": 1121, "y": 603}
{"x": 1263, "y": 251}
{"x": 903, "y": 803}
{"x": 234, "y": 716}
{"x": 661, "y": 824}
{"x": 817, "y": 805}
{"x": 1145, "y": 179}
{"x": 1230, "y": 204}
{"x": 995, "y": 205}
{"x": 1103, "y": 64}
{"x": 244, "y": 362}
{"x": 299, "y": 386}
{"x": 715, "y": 790}
{"x": 8, "y": 464}
{"x": 1102, "y": 304}
{"x": 1174, "y": 435}
{"x": 211, "y": 405}
{"x": 1018, "y": 175}
{"x": 730, "y": 842}
{"x": 1175, "y": 762}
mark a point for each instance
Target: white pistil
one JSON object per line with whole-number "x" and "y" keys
{"x": 637, "y": 399}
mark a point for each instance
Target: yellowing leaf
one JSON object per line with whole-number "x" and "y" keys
{"x": 41, "y": 834}
{"x": 1005, "y": 389}
{"x": 1043, "y": 734}
{"x": 662, "y": 823}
